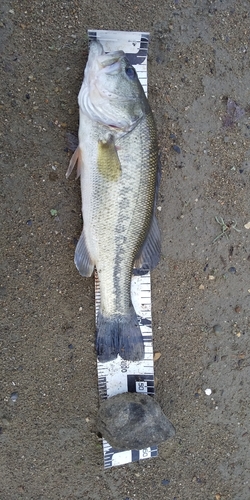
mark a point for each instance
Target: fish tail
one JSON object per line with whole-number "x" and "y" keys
{"x": 119, "y": 335}
{"x": 107, "y": 338}
{"x": 131, "y": 346}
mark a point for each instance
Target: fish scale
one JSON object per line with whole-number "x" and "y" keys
{"x": 115, "y": 201}
{"x": 118, "y": 163}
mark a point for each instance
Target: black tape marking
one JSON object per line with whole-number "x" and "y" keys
{"x": 149, "y": 379}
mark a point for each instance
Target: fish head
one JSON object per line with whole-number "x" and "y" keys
{"x": 111, "y": 92}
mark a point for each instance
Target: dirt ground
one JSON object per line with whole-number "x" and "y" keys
{"x": 199, "y": 89}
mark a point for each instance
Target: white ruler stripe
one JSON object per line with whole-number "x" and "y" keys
{"x": 118, "y": 376}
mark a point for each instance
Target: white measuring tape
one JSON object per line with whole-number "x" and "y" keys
{"x": 118, "y": 376}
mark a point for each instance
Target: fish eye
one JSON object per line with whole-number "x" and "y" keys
{"x": 130, "y": 72}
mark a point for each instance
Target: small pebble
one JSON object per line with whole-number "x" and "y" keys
{"x": 159, "y": 59}
{"x": 157, "y": 356}
{"x": 29, "y": 222}
{"x": 70, "y": 346}
{"x": 247, "y": 225}
{"x": 208, "y": 392}
{"x": 172, "y": 136}
{"x": 14, "y": 397}
{"x": 232, "y": 270}
{"x": 165, "y": 482}
{"x": 53, "y": 176}
{"x": 217, "y": 328}
{"x": 237, "y": 309}
{"x": 176, "y": 148}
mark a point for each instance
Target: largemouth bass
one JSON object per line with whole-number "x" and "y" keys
{"x": 117, "y": 159}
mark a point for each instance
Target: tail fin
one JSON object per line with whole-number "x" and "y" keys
{"x": 119, "y": 334}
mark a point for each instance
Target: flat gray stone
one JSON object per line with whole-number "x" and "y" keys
{"x": 133, "y": 421}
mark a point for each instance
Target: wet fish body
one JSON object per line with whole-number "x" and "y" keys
{"x": 117, "y": 160}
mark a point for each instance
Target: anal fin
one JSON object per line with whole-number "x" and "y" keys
{"x": 83, "y": 260}
{"x": 150, "y": 252}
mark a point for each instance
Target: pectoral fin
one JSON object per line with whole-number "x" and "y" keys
{"x": 108, "y": 161}
{"x": 83, "y": 259}
{"x": 76, "y": 158}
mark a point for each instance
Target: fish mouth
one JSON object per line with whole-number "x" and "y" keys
{"x": 111, "y": 58}
{"x": 105, "y": 60}
{"x": 96, "y": 50}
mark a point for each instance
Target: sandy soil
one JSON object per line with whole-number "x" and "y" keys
{"x": 199, "y": 58}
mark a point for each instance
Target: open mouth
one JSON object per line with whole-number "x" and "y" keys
{"x": 111, "y": 63}
{"x": 110, "y": 58}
